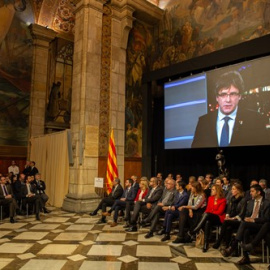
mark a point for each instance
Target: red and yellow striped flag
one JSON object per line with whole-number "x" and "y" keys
{"x": 112, "y": 171}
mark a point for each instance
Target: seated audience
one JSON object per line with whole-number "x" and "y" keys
{"x": 129, "y": 195}
{"x": 256, "y": 214}
{"x": 247, "y": 194}
{"x": 205, "y": 186}
{"x": 115, "y": 194}
{"x": 149, "y": 202}
{"x": 234, "y": 214}
{"x": 30, "y": 196}
{"x": 172, "y": 211}
{"x": 209, "y": 177}
{"x": 178, "y": 177}
{"x": 7, "y": 198}
{"x": 191, "y": 180}
{"x": 166, "y": 199}
{"x": 214, "y": 214}
{"x": 41, "y": 187}
{"x": 191, "y": 213}
{"x": 17, "y": 188}
{"x": 266, "y": 190}
{"x": 226, "y": 185}
{"x": 142, "y": 192}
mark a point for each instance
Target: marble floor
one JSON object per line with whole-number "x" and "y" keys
{"x": 63, "y": 240}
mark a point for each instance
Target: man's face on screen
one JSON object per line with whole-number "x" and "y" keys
{"x": 228, "y": 99}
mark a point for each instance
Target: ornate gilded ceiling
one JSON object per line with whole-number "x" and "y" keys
{"x": 55, "y": 14}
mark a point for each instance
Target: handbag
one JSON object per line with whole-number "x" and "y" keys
{"x": 199, "y": 239}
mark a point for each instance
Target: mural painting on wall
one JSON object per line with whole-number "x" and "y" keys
{"x": 15, "y": 71}
{"x": 140, "y": 46}
{"x": 58, "y": 109}
{"x": 191, "y": 28}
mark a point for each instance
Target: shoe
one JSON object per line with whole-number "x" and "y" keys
{"x": 247, "y": 247}
{"x": 113, "y": 224}
{"x": 227, "y": 252}
{"x": 101, "y": 221}
{"x": 205, "y": 247}
{"x": 143, "y": 223}
{"x": 93, "y": 214}
{"x": 160, "y": 232}
{"x": 37, "y": 217}
{"x": 132, "y": 229}
{"x": 216, "y": 245}
{"x": 178, "y": 240}
{"x": 12, "y": 220}
{"x": 106, "y": 214}
{"x": 127, "y": 225}
{"x": 46, "y": 211}
{"x": 244, "y": 260}
{"x": 149, "y": 235}
{"x": 165, "y": 238}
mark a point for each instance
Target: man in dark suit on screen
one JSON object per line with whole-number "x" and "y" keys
{"x": 230, "y": 125}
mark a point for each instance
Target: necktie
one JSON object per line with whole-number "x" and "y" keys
{"x": 256, "y": 210}
{"x": 5, "y": 190}
{"x": 224, "y": 139}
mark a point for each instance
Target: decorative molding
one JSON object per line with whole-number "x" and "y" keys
{"x": 104, "y": 116}
{"x": 42, "y": 33}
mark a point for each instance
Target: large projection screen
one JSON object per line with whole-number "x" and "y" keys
{"x": 194, "y": 108}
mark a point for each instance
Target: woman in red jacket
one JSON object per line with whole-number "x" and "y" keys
{"x": 139, "y": 197}
{"x": 214, "y": 214}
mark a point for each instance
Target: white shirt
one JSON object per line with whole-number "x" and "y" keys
{"x": 15, "y": 169}
{"x": 140, "y": 195}
{"x": 221, "y": 121}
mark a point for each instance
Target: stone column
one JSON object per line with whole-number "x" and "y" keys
{"x": 42, "y": 37}
{"x": 122, "y": 21}
{"x": 85, "y": 106}
{"x": 98, "y": 95}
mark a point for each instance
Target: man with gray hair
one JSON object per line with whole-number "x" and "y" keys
{"x": 167, "y": 199}
{"x": 263, "y": 184}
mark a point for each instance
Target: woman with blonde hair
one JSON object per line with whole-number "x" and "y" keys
{"x": 214, "y": 214}
{"x": 139, "y": 197}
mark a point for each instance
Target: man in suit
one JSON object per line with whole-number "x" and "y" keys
{"x": 115, "y": 194}
{"x": 230, "y": 125}
{"x": 151, "y": 199}
{"x": 172, "y": 211}
{"x": 33, "y": 170}
{"x": 30, "y": 196}
{"x": 266, "y": 190}
{"x": 41, "y": 186}
{"x": 6, "y": 198}
{"x": 166, "y": 199}
{"x": 129, "y": 195}
{"x": 257, "y": 213}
